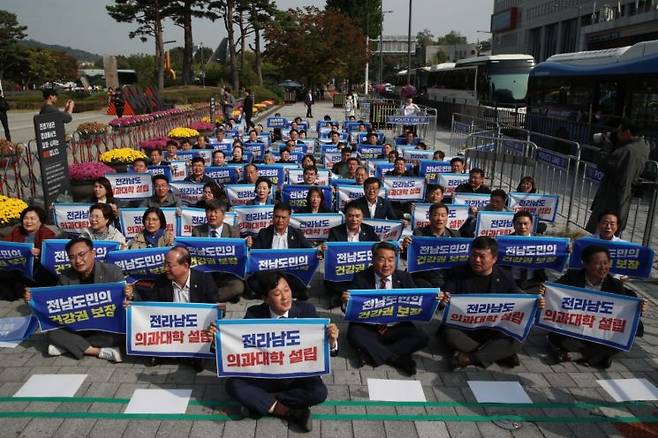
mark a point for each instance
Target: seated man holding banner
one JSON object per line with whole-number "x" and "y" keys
{"x": 437, "y": 228}
{"x": 385, "y": 343}
{"x": 86, "y": 270}
{"x": 526, "y": 279}
{"x": 288, "y": 398}
{"x": 372, "y": 205}
{"x": 481, "y": 275}
{"x": 353, "y": 230}
{"x": 229, "y": 287}
{"x": 596, "y": 276}
{"x": 162, "y": 194}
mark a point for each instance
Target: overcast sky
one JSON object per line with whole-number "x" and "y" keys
{"x": 85, "y": 24}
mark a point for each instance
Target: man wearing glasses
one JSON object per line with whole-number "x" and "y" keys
{"x": 86, "y": 270}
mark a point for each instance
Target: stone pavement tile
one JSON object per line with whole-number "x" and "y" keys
{"x": 25, "y": 358}
{"x": 490, "y": 430}
{"x": 206, "y": 429}
{"x": 153, "y": 375}
{"x": 461, "y": 429}
{"x": 141, "y": 428}
{"x": 12, "y": 427}
{"x": 396, "y": 429}
{"x": 536, "y": 365}
{"x": 584, "y": 380}
{"x": 123, "y": 375}
{"x": 533, "y": 379}
{"x": 97, "y": 374}
{"x": 41, "y": 428}
{"x": 174, "y": 429}
{"x": 371, "y": 373}
{"x": 335, "y": 429}
{"x": 75, "y": 427}
{"x": 15, "y": 374}
{"x": 10, "y": 388}
{"x": 635, "y": 364}
{"x": 411, "y": 410}
{"x": 529, "y": 430}
{"x": 586, "y": 430}
{"x": 347, "y": 377}
{"x": 369, "y": 429}
{"x": 559, "y": 380}
{"x": 381, "y": 410}
{"x": 338, "y": 363}
{"x": 183, "y": 375}
{"x": 267, "y": 427}
{"x": 126, "y": 390}
{"x": 451, "y": 379}
{"x": 42, "y": 407}
{"x": 610, "y": 430}
{"x": 66, "y": 361}
{"x": 431, "y": 429}
{"x": 240, "y": 429}
{"x": 555, "y": 430}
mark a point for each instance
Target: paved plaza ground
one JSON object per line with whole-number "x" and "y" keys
{"x": 567, "y": 399}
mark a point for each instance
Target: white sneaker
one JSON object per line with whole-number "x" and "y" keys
{"x": 54, "y": 351}
{"x": 111, "y": 354}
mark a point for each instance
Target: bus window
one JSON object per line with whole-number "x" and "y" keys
{"x": 607, "y": 102}
{"x": 644, "y": 102}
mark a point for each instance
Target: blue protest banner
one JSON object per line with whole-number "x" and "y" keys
{"x": 80, "y": 307}
{"x": 17, "y": 328}
{"x": 376, "y": 306}
{"x": 628, "y": 258}
{"x": 139, "y": 264}
{"x": 299, "y": 262}
{"x": 16, "y": 256}
{"x": 276, "y": 122}
{"x": 431, "y": 169}
{"x": 222, "y": 174}
{"x": 457, "y": 215}
{"x": 430, "y": 253}
{"x": 329, "y": 149}
{"x": 55, "y": 260}
{"x": 272, "y": 348}
{"x": 511, "y": 314}
{"x": 275, "y": 172}
{"x": 601, "y": 317}
{"x": 370, "y": 152}
{"x": 344, "y": 259}
{"x": 295, "y": 195}
{"x": 210, "y": 254}
{"x": 533, "y": 252}
{"x": 160, "y": 170}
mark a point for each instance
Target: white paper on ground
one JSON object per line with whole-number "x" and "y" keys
{"x": 498, "y": 392}
{"x": 396, "y": 390}
{"x": 159, "y": 401}
{"x": 51, "y": 385}
{"x": 9, "y": 344}
{"x": 629, "y": 389}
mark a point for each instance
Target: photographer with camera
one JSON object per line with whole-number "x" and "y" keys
{"x": 622, "y": 157}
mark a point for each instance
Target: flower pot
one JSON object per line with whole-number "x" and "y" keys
{"x": 81, "y": 190}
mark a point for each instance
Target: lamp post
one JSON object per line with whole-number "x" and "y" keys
{"x": 381, "y": 44}
{"x": 409, "y": 46}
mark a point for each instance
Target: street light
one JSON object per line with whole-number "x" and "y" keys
{"x": 409, "y": 46}
{"x": 381, "y": 43}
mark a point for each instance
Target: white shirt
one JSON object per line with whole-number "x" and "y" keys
{"x": 280, "y": 241}
{"x": 353, "y": 237}
{"x": 275, "y": 316}
{"x": 589, "y": 285}
{"x": 372, "y": 208}
{"x": 378, "y": 281}
{"x": 614, "y": 238}
{"x": 182, "y": 294}
{"x": 217, "y": 230}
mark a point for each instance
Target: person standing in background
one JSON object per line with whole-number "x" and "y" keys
{"x": 227, "y": 104}
{"x": 309, "y": 101}
{"x": 50, "y": 100}
{"x": 119, "y": 103}
{"x": 4, "y": 107}
{"x": 248, "y": 108}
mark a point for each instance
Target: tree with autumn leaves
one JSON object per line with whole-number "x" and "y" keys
{"x": 313, "y": 46}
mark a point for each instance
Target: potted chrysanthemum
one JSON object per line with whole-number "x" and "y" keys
{"x": 83, "y": 175}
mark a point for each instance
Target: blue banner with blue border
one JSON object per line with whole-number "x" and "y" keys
{"x": 628, "y": 258}
{"x": 376, "y": 306}
{"x": 55, "y": 260}
{"x": 210, "y": 254}
{"x": 15, "y": 256}
{"x": 533, "y": 252}
{"x": 299, "y": 262}
{"x": 430, "y": 253}
{"x": 139, "y": 264}
{"x": 344, "y": 259}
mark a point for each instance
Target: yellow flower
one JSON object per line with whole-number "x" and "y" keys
{"x": 121, "y": 156}
{"x": 181, "y": 132}
{"x": 10, "y": 210}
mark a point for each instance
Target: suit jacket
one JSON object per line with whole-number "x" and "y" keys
{"x": 296, "y": 238}
{"x": 103, "y": 273}
{"x": 461, "y": 280}
{"x": 299, "y": 309}
{"x": 384, "y": 209}
{"x": 204, "y": 229}
{"x": 202, "y": 289}
{"x": 576, "y": 277}
{"x": 366, "y": 280}
{"x": 467, "y": 188}
{"x": 426, "y": 231}
{"x": 339, "y": 234}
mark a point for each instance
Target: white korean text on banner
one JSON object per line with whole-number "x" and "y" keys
{"x": 431, "y": 169}
{"x": 377, "y": 306}
{"x": 130, "y": 185}
{"x": 55, "y": 260}
{"x": 131, "y": 220}
{"x": 315, "y": 227}
{"x": 627, "y": 258}
{"x": 178, "y": 170}
{"x": 601, "y": 317}
{"x": 430, "y": 253}
{"x": 272, "y": 348}
{"x": 512, "y": 314}
{"x": 252, "y": 218}
{"x": 450, "y": 181}
{"x": 404, "y": 188}
{"x": 17, "y": 256}
{"x": 385, "y": 229}
{"x": 212, "y": 254}
{"x": 494, "y": 223}
{"x": 542, "y": 206}
{"x": 169, "y": 329}
{"x": 532, "y": 252}
{"x": 72, "y": 218}
{"x": 139, "y": 264}
{"x": 457, "y": 215}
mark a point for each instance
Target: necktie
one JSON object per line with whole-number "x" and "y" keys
{"x": 382, "y": 283}
{"x": 382, "y": 328}
{"x": 213, "y": 233}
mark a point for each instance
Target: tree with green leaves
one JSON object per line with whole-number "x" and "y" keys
{"x": 10, "y": 33}
{"x": 367, "y": 14}
{"x": 226, "y": 10}
{"x": 254, "y": 16}
{"x": 148, "y": 15}
{"x": 451, "y": 38}
{"x": 336, "y": 46}
{"x": 182, "y": 11}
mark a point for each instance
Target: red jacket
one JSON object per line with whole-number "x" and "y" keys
{"x": 42, "y": 233}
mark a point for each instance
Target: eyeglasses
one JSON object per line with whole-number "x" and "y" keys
{"x": 74, "y": 257}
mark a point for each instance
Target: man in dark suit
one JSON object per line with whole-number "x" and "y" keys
{"x": 474, "y": 184}
{"x": 280, "y": 235}
{"x": 180, "y": 283}
{"x": 372, "y": 205}
{"x": 248, "y": 107}
{"x": 484, "y": 346}
{"x": 288, "y": 398}
{"x": 529, "y": 280}
{"x": 353, "y": 230}
{"x": 594, "y": 275}
{"x": 385, "y": 343}
{"x": 438, "y": 227}
{"x": 229, "y": 287}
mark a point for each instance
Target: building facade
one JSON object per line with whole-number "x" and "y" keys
{"x": 542, "y": 28}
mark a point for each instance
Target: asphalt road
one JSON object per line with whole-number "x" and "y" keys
{"x": 22, "y": 128}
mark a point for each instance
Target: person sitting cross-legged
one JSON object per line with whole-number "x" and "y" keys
{"x": 288, "y": 398}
